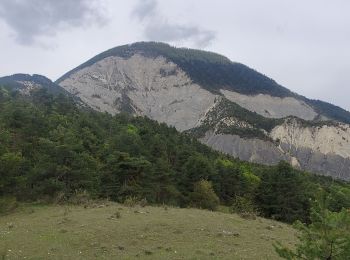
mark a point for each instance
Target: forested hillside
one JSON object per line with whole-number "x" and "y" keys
{"x": 50, "y": 148}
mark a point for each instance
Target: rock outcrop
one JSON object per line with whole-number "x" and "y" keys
{"x": 154, "y": 85}
{"x": 151, "y": 87}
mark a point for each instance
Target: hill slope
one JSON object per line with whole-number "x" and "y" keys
{"x": 72, "y": 232}
{"x": 50, "y": 147}
{"x": 25, "y": 83}
{"x": 184, "y": 88}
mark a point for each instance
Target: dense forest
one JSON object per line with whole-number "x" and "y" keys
{"x": 50, "y": 147}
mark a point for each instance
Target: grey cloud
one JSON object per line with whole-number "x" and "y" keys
{"x": 145, "y": 8}
{"x": 31, "y": 19}
{"x": 158, "y": 28}
{"x": 172, "y": 32}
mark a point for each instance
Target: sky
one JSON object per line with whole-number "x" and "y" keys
{"x": 303, "y": 45}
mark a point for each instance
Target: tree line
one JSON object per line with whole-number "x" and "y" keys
{"x": 49, "y": 145}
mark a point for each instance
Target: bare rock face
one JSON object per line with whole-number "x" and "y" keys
{"x": 28, "y": 86}
{"x": 160, "y": 89}
{"x": 326, "y": 139}
{"x": 253, "y": 150}
{"x": 323, "y": 149}
{"x": 152, "y": 87}
{"x": 301, "y": 151}
{"x": 272, "y": 107}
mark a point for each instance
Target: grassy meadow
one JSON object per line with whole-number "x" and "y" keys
{"x": 113, "y": 231}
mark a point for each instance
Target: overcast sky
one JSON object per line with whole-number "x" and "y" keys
{"x": 303, "y": 45}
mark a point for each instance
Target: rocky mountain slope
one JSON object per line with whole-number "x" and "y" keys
{"x": 226, "y": 105}
{"x": 25, "y": 83}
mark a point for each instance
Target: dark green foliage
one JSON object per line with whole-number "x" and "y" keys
{"x": 12, "y": 173}
{"x": 330, "y": 111}
{"x": 203, "y": 195}
{"x": 326, "y": 237}
{"x": 242, "y": 205}
{"x": 196, "y": 168}
{"x": 284, "y": 194}
{"x": 339, "y": 197}
{"x": 122, "y": 176}
{"x": 228, "y": 181}
{"x": 51, "y": 148}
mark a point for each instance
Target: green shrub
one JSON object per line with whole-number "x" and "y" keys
{"x": 244, "y": 207}
{"x": 80, "y": 197}
{"x": 131, "y": 201}
{"x": 204, "y": 196}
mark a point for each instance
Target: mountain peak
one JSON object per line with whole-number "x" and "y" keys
{"x": 208, "y": 69}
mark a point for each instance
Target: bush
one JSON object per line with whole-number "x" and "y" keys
{"x": 80, "y": 197}
{"x": 242, "y": 205}
{"x": 203, "y": 196}
{"x": 133, "y": 201}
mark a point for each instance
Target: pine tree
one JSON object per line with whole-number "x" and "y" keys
{"x": 327, "y": 237}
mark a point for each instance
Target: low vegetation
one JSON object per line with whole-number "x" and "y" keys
{"x": 107, "y": 230}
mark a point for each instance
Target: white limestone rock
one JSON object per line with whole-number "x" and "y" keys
{"x": 326, "y": 139}
{"x": 155, "y": 88}
{"x": 272, "y": 107}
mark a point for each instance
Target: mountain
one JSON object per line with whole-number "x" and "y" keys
{"x": 25, "y": 83}
{"x": 225, "y": 104}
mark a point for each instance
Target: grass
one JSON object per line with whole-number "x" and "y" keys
{"x": 114, "y": 231}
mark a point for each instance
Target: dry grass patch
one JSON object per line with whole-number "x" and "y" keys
{"x": 121, "y": 232}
